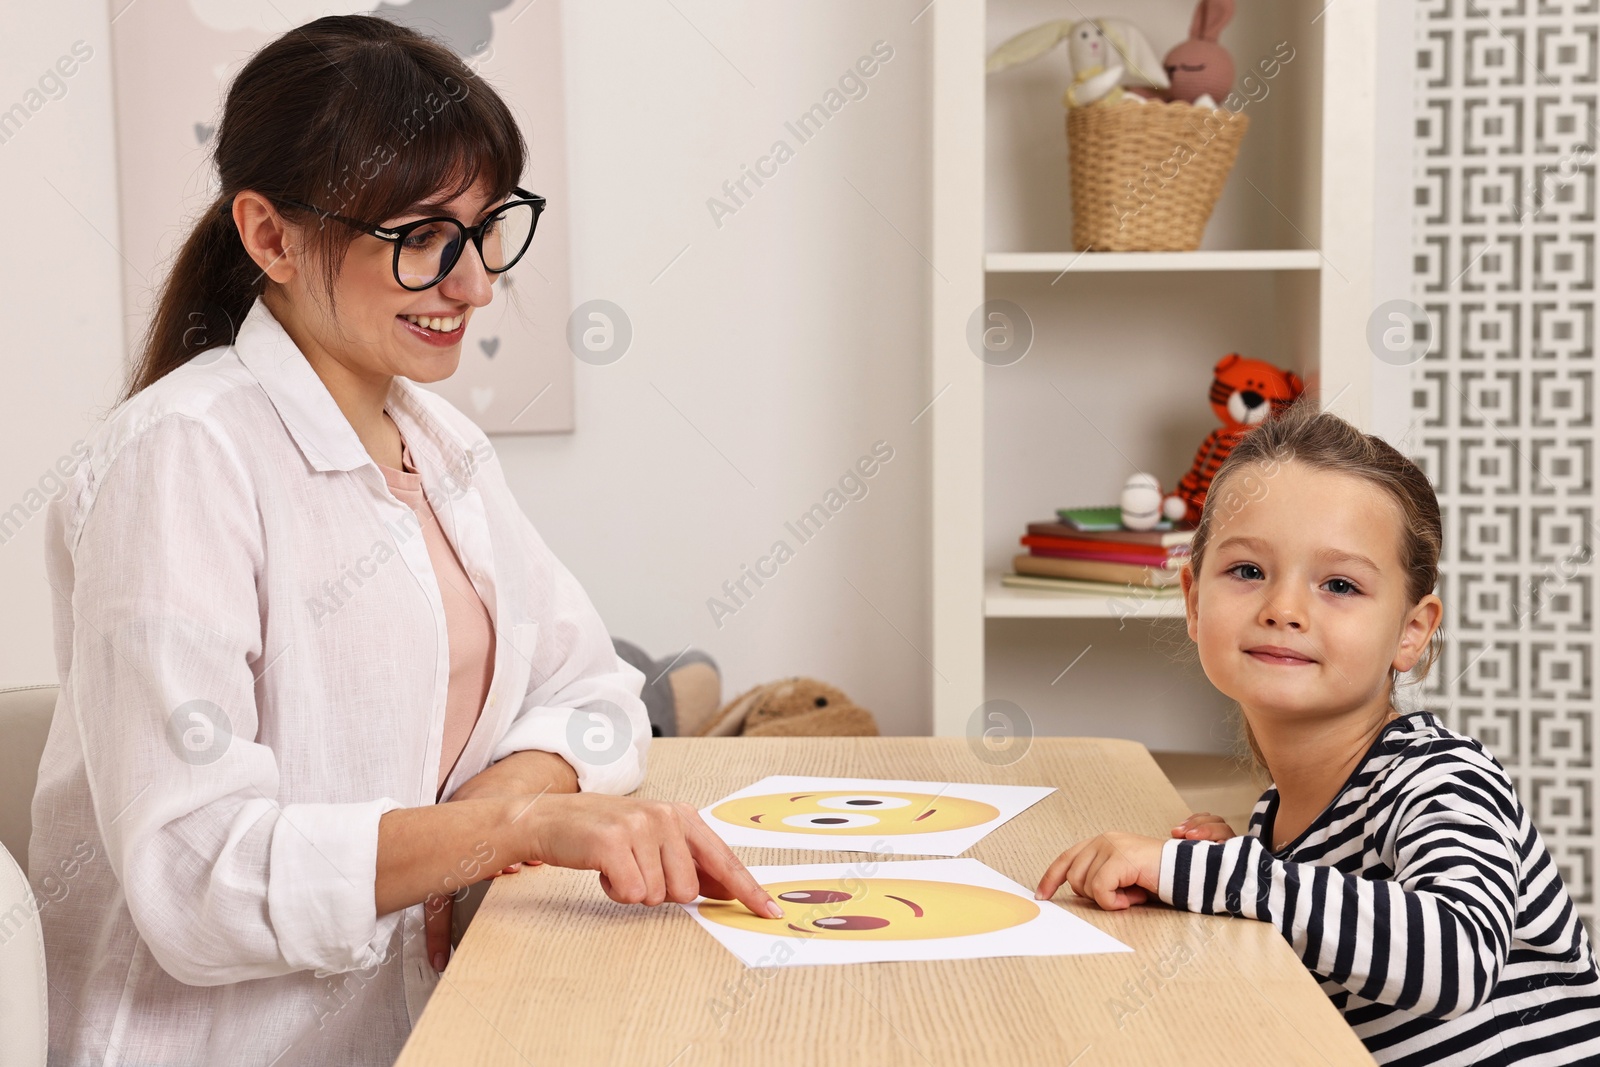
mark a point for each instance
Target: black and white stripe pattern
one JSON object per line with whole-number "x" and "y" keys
{"x": 1424, "y": 900}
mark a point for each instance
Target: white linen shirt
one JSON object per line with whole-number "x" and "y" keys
{"x": 253, "y": 661}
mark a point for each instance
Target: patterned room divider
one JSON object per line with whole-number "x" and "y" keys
{"x": 1503, "y": 402}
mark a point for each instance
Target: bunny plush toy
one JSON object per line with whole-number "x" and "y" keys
{"x": 1200, "y": 69}
{"x": 1106, "y": 55}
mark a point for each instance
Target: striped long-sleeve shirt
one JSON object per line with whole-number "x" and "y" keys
{"x": 1425, "y": 902}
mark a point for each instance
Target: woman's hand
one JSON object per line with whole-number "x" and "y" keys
{"x": 647, "y": 851}
{"x": 1203, "y": 826}
{"x": 527, "y": 773}
{"x": 1114, "y": 870}
{"x": 438, "y": 918}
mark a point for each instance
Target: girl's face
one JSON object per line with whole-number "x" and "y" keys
{"x": 370, "y": 334}
{"x": 1300, "y": 608}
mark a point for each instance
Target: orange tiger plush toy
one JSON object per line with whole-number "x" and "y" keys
{"x": 1244, "y": 394}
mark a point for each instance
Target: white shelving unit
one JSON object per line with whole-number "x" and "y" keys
{"x": 1124, "y": 343}
{"x": 1089, "y": 262}
{"x": 1003, "y": 602}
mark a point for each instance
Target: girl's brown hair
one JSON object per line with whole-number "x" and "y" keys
{"x": 1323, "y": 441}
{"x": 353, "y": 114}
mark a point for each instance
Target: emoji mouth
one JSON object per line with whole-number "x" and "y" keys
{"x": 925, "y": 814}
{"x": 757, "y": 818}
{"x": 916, "y": 909}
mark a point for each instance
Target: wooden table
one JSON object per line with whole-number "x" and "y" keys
{"x": 552, "y": 972}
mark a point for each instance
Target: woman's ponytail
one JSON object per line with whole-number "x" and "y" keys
{"x": 211, "y": 286}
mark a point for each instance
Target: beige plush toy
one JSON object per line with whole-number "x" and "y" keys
{"x": 1106, "y": 55}
{"x": 793, "y": 707}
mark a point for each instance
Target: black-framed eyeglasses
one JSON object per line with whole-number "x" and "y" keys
{"x": 427, "y": 250}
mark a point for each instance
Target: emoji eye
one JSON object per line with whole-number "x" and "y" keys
{"x": 813, "y": 896}
{"x": 865, "y": 802}
{"x": 850, "y": 922}
{"x": 822, "y": 821}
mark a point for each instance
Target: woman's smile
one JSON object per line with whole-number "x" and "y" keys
{"x": 439, "y": 338}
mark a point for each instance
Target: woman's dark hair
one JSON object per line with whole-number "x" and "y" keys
{"x": 353, "y": 114}
{"x": 1323, "y": 441}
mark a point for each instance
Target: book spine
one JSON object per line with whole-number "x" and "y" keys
{"x": 1146, "y": 553}
{"x": 1136, "y": 559}
{"x": 1100, "y": 519}
{"x": 1094, "y": 570}
{"x": 1084, "y": 587}
{"x": 1151, "y": 538}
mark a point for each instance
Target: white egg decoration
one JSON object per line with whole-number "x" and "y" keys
{"x": 1141, "y": 502}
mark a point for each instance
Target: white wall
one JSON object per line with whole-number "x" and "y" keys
{"x": 62, "y": 353}
{"x": 765, "y": 360}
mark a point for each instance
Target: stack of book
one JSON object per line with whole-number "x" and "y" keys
{"x": 1089, "y": 551}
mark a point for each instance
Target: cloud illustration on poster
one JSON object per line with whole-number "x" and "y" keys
{"x": 464, "y": 25}
{"x": 270, "y": 16}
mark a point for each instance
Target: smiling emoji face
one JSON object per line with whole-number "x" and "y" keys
{"x": 879, "y": 909}
{"x": 856, "y": 813}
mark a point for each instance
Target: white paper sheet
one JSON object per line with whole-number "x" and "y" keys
{"x": 867, "y": 814}
{"x": 871, "y": 912}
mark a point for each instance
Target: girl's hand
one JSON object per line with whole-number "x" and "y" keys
{"x": 647, "y": 851}
{"x": 1114, "y": 870}
{"x": 1203, "y": 826}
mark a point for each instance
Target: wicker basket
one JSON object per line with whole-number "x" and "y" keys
{"x": 1145, "y": 177}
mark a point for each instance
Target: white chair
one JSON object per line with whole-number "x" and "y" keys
{"x": 24, "y": 1000}
{"x": 25, "y": 713}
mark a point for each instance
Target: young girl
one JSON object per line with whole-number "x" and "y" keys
{"x": 1391, "y": 852}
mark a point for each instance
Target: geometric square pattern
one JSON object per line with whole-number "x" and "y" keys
{"x": 1503, "y": 403}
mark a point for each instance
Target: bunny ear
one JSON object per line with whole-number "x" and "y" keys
{"x": 1210, "y": 16}
{"x": 1028, "y": 45}
{"x": 1139, "y": 60}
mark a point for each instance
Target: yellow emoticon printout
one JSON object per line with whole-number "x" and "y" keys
{"x": 835, "y": 813}
{"x": 866, "y": 814}
{"x": 878, "y": 910}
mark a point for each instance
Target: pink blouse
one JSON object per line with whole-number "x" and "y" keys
{"x": 468, "y": 626}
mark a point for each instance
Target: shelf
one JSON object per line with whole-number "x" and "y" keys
{"x": 1286, "y": 274}
{"x": 1003, "y": 602}
{"x": 1058, "y": 262}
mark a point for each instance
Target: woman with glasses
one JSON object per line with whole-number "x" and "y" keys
{"x": 319, "y": 672}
